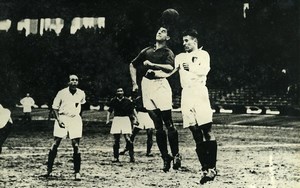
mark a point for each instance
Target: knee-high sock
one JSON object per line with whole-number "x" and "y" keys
{"x": 149, "y": 140}
{"x": 201, "y": 151}
{"x": 116, "y": 146}
{"x": 131, "y": 149}
{"x": 51, "y": 156}
{"x": 212, "y": 153}
{"x": 161, "y": 139}
{"x": 77, "y": 162}
{"x": 173, "y": 140}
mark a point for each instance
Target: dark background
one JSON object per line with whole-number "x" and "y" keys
{"x": 246, "y": 53}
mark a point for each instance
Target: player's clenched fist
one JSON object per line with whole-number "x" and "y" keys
{"x": 186, "y": 66}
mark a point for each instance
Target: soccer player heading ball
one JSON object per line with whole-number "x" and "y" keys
{"x": 157, "y": 94}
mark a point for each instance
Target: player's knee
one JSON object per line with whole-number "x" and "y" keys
{"x": 197, "y": 134}
{"x": 207, "y": 131}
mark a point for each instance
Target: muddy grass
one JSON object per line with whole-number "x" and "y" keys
{"x": 249, "y": 156}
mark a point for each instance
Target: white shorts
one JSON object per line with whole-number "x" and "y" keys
{"x": 157, "y": 94}
{"x": 121, "y": 125}
{"x": 73, "y": 126}
{"x": 195, "y": 106}
{"x": 145, "y": 122}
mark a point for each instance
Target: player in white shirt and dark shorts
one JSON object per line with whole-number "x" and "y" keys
{"x": 67, "y": 109}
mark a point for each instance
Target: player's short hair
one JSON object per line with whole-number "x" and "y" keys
{"x": 191, "y": 32}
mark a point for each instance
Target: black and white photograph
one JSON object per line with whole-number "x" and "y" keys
{"x": 146, "y": 93}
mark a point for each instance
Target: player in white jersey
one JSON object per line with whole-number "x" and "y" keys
{"x": 27, "y": 103}
{"x": 193, "y": 67}
{"x": 67, "y": 108}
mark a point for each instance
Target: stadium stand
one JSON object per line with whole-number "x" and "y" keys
{"x": 243, "y": 101}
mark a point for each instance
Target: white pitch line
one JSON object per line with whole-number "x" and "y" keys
{"x": 271, "y": 170}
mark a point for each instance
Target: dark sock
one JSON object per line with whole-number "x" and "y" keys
{"x": 161, "y": 139}
{"x": 201, "y": 150}
{"x": 212, "y": 153}
{"x": 77, "y": 162}
{"x": 51, "y": 156}
{"x": 173, "y": 140}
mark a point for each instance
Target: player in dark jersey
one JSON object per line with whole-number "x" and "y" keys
{"x": 157, "y": 94}
{"x": 123, "y": 109}
{"x": 144, "y": 122}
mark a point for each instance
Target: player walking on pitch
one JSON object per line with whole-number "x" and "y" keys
{"x": 67, "y": 108}
{"x": 193, "y": 66}
{"x": 157, "y": 94}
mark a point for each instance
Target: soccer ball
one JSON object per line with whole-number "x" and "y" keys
{"x": 169, "y": 16}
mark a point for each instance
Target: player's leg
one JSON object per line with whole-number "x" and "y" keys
{"x": 4, "y": 132}
{"x": 149, "y": 142}
{"x": 52, "y": 155}
{"x": 130, "y": 146}
{"x": 200, "y": 147}
{"x": 76, "y": 158}
{"x": 210, "y": 156}
{"x": 161, "y": 138}
{"x": 116, "y": 147}
{"x": 135, "y": 131}
{"x": 172, "y": 137}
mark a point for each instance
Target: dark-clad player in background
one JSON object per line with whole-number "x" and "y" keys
{"x": 123, "y": 110}
{"x": 144, "y": 122}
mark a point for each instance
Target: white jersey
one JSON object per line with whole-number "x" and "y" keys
{"x": 27, "y": 103}
{"x": 68, "y": 104}
{"x": 195, "y": 104}
{"x": 199, "y": 66}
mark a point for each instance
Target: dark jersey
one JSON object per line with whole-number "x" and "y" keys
{"x": 123, "y": 107}
{"x": 160, "y": 56}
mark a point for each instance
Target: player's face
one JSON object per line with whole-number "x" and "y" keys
{"x": 189, "y": 43}
{"x": 162, "y": 34}
{"x": 73, "y": 81}
{"x": 120, "y": 93}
